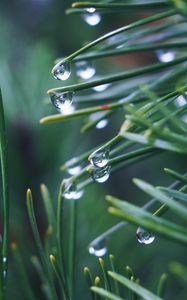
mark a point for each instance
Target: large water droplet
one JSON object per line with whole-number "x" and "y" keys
{"x": 101, "y": 87}
{"x": 85, "y": 69}
{"x": 62, "y": 101}
{"x": 165, "y": 55}
{"x": 91, "y": 17}
{"x": 144, "y": 236}
{"x": 70, "y": 190}
{"x": 62, "y": 71}
{"x": 101, "y": 174}
{"x": 99, "y": 158}
{"x": 98, "y": 249}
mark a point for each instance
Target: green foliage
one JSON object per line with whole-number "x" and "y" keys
{"x": 145, "y": 99}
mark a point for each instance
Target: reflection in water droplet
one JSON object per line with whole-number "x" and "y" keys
{"x": 98, "y": 249}
{"x": 165, "y": 56}
{"x": 74, "y": 170}
{"x": 101, "y": 88}
{"x": 101, "y": 174}
{"x": 62, "y": 101}
{"x": 144, "y": 236}
{"x": 85, "y": 69}
{"x": 102, "y": 124}
{"x": 62, "y": 71}
{"x": 91, "y": 17}
{"x": 70, "y": 191}
{"x": 99, "y": 158}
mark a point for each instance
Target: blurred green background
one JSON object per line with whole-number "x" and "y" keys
{"x": 33, "y": 34}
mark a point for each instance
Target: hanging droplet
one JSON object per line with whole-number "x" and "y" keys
{"x": 62, "y": 71}
{"x": 144, "y": 236}
{"x": 70, "y": 190}
{"x": 62, "y": 101}
{"x": 91, "y": 17}
{"x": 101, "y": 87}
{"x": 74, "y": 170}
{"x": 166, "y": 56}
{"x": 98, "y": 249}
{"x": 102, "y": 124}
{"x": 101, "y": 174}
{"x": 85, "y": 69}
{"x": 99, "y": 158}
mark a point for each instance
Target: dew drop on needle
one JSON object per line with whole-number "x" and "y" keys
{"x": 62, "y": 71}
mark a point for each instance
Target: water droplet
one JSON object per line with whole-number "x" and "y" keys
{"x": 4, "y": 274}
{"x": 91, "y": 17}
{"x": 99, "y": 158}
{"x": 98, "y": 249}
{"x": 101, "y": 174}
{"x": 85, "y": 69}
{"x": 74, "y": 170}
{"x": 102, "y": 124}
{"x": 62, "y": 101}
{"x": 101, "y": 88}
{"x": 165, "y": 56}
{"x": 180, "y": 101}
{"x": 62, "y": 71}
{"x": 4, "y": 260}
{"x": 70, "y": 190}
{"x": 144, "y": 236}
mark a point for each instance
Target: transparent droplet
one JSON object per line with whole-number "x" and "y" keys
{"x": 165, "y": 56}
{"x": 101, "y": 174}
{"x": 74, "y": 170}
{"x": 99, "y": 158}
{"x": 180, "y": 101}
{"x": 98, "y": 249}
{"x": 102, "y": 124}
{"x": 62, "y": 101}
{"x": 91, "y": 17}
{"x": 4, "y": 274}
{"x": 144, "y": 236}
{"x": 70, "y": 190}
{"x": 101, "y": 88}
{"x": 85, "y": 69}
{"x": 62, "y": 71}
{"x": 4, "y": 260}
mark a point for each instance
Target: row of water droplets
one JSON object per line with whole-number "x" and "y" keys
{"x": 99, "y": 247}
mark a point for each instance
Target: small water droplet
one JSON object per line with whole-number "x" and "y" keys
{"x": 101, "y": 87}
{"x": 70, "y": 191}
{"x": 165, "y": 56}
{"x": 102, "y": 124}
{"x": 91, "y": 17}
{"x": 74, "y": 170}
{"x": 180, "y": 101}
{"x": 98, "y": 249}
{"x": 99, "y": 158}
{"x": 62, "y": 71}
{"x": 144, "y": 236}
{"x": 4, "y": 260}
{"x": 85, "y": 69}
{"x": 62, "y": 101}
{"x": 101, "y": 174}
{"x": 4, "y": 274}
